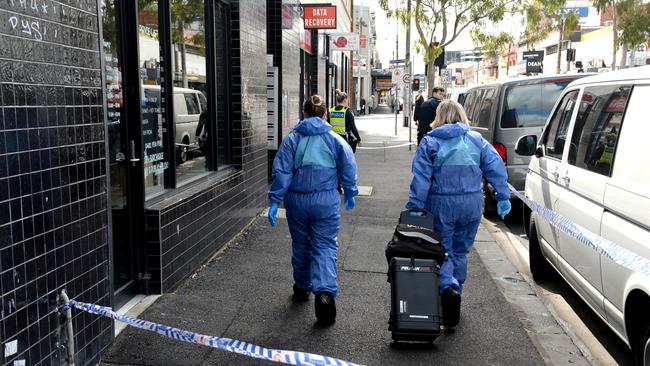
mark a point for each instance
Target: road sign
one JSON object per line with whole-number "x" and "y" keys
{"x": 397, "y": 75}
{"x": 406, "y": 79}
{"x": 446, "y": 76}
{"x": 400, "y": 61}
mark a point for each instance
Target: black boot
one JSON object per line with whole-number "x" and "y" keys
{"x": 300, "y": 294}
{"x": 450, "y": 308}
{"x": 325, "y": 308}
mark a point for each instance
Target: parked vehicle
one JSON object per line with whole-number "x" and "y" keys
{"x": 457, "y": 94}
{"x": 504, "y": 111}
{"x": 188, "y": 106}
{"x": 591, "y": 166}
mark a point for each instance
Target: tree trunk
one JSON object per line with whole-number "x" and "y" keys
{"x": 431, "y": 77}
{"x": 559, "y": 47}
{"x": 615, "y": 36}
{"x": 623, "y": 62}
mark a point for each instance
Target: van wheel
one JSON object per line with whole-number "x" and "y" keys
{"x": 539, "y": 266}
{"x": 183, "y": 151}
{"x": 642, "y": 348}
{"x": 489, "y": 204}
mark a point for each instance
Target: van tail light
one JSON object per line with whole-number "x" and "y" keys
{"x": 501, "y": 149}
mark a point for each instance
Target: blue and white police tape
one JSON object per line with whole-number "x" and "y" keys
{"x": 384, "y": 147}
{"x": 619, "y": 255}
{"x": 226, "y": 344}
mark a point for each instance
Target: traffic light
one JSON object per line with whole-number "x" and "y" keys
{"x": 571, "y": 54}
{"x": 416, "y": 84}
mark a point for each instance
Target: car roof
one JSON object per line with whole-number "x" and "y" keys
{"x": 526, "y": 79}
{"x": 635, "y": 73}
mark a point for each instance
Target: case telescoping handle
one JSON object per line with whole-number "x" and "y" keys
{"x": 412, "y": 261}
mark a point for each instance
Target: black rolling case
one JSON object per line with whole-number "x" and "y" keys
{"x": 415, "y": 255}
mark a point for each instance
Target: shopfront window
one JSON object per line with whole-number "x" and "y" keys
{"x": 192, "y": 122}
{"x": 155, "y": 160}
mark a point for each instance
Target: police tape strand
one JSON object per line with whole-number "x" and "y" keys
{"x": 384, "y": 147}
{"x": 226, "y": 344}
{"x": 608, "y": 249}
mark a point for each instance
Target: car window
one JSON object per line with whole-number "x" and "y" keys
{"x": 473, "y": 113}
{"x": 529, "y": 105}
{"x": 633, "y": 142}
{"x": 555, "y": 133}
{"x": 469, "y": 102}
{"x": 203, "y": 102}
{"x": 597, "y": 127}
{"x": 180, "y": 106}
{"x": 461, "y": 98}
{"x": 192, "y": 104}
{"x": 485, "y": 111}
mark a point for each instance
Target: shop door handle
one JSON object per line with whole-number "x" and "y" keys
{"x": 133, "y": 158}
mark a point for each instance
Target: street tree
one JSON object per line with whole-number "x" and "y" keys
{"x": 440, "y": 22}
{"x": 634, "y": 25}
{"x": 545, "y": 16}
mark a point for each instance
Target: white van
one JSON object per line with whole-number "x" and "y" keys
{"x": 188, "y": 106}
{"x": 591, "y": 166}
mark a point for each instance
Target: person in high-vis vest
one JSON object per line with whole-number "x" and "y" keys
{"x": 342, "y": 121}
{"x": 307, "y": 169}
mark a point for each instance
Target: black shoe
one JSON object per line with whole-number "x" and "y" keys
{"x": 450, "y": 308}
{"x": 325, "y": 308}
{"x": 300, "y": 294}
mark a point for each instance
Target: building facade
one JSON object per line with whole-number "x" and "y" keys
{"x": 133, "y": 145}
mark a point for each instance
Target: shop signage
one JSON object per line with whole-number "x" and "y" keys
{"x": 305, "y": 40}
{"x": 534, "y": 61}
{"x": 363, "y": 41}
{"x": 384, "y": 84}
{"x": 344, "y": 42}
{"x": 319, "y": 17}
{"x": 398, "y": 72}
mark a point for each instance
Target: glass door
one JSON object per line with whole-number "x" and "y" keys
{"x": 125, "y": 166}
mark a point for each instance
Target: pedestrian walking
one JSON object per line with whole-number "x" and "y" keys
{"x": 306, "y": 173}
{"x": 448, "y": 170}
{"x": 419, "y": 99}
{"x": 373, "y": 104}
{"x": 427, "y": 112}
{"x": 363, "y": 105}
{"x": 342, "y": 120}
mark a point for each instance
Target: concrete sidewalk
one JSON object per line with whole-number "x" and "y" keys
{"x": 245, "y": 292}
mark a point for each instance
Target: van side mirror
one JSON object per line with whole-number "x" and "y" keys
{"x": 539, "y": 152}
{"x": 526, "y": 145}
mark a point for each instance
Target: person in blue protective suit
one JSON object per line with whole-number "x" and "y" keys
{"x": 448, "y": 170}
{"x": 306, "y": 172}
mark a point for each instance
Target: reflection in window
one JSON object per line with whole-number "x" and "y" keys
{"x": 190, "y": 115}
{"x": 556, "y": 132}
{"x": 529, "y": 105}
{"x": 597, "y": 128}
{"x": 155, "y": 161}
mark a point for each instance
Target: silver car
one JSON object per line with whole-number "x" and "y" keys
{"x": 504, "y": 111}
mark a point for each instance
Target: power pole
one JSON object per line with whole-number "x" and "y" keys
{"x": 396, "y": 100}
{"x": 559, "y": 45}
{"x": 407, "y": 59}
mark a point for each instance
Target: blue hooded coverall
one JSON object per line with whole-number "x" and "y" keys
{"x": 306, "y": 173}
{"x": 448, "y": 170}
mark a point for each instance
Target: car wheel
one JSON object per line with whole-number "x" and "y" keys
{"x": 184, "y": 151}
{"x": 642, "y": 348}
{"x": 489, "y": 204}
{"x": 540, "y": 268}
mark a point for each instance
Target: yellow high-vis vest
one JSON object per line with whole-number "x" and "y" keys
{"x": 337, "y": 119}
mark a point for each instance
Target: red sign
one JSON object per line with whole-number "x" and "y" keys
{"x": 319, "y": 17}
{"x": 363, "y": 40}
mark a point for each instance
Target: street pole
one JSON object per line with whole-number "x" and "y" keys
{"x": 396, "y": 101}
{"x": 407, "y": 87}
{"x": 559, "y": 45}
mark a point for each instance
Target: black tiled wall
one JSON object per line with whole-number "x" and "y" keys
{"x": 186, "y": 229}
{"x": 283, "y": 42}
{"x": 53, "y": 218}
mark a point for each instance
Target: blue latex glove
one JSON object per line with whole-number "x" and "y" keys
{"x": 503, "y": 208}
{"x": 349, "y": 203}
{"x": 273, "y": 213}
